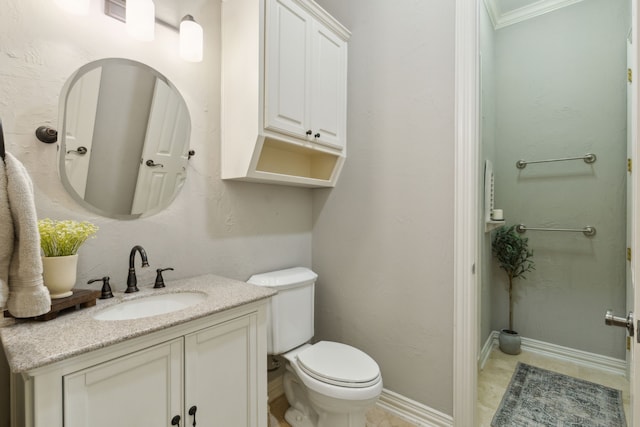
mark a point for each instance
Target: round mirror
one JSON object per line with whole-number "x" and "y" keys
{"x": 124, "y": 142}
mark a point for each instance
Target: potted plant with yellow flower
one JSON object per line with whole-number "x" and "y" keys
{"x": 60, "y": 241}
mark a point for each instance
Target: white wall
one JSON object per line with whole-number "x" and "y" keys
{"x": 382, "y": 239}
{"x": 561, "y": 92}
{"x": 228, "y": 228}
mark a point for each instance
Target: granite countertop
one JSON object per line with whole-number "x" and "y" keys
{"x": 32, "y": 344}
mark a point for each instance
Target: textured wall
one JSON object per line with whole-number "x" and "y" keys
{"x": 487, "y": 152}
{"x": 382, "y": 240}
{"x": 228, "y": 228}
{"x": 562, "y": 93}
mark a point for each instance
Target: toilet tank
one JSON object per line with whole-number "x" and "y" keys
{"x": 290, "y": 313}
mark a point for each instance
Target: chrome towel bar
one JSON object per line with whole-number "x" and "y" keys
{"x": 588, "y": 231}
{"x": 588, "y": 158}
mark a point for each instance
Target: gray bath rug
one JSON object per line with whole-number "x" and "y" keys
{"x": 537, "y": 397}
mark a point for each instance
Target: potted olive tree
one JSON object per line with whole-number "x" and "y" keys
{"x": 514, "y": 257}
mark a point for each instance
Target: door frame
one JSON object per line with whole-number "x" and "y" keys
{"x": 466, "y": 212}
{"x": 634, "y": 221}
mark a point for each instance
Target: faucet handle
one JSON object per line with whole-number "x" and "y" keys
{"x": 159, "y": 280}
{"x": 106, "y": 288}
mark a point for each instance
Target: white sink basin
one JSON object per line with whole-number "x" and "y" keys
{"x": 150, "y": 306}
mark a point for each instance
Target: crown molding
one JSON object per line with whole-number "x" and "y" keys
{"x": 501, "y": 19}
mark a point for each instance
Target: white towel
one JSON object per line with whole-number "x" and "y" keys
{"x": 6, "y": 237}
{"x": 27, "y": 294}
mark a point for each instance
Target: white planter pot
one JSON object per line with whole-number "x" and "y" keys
{"x": 59, "y": 274}
{"x": 509, "y": 341}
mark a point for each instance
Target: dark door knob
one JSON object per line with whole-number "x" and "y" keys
{"x": 152, "y": 164}
{"x": 192, "y": 412}
{"x": 81, "y": 151}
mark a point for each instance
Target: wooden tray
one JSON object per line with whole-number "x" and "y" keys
{"x": 81, "y": 298}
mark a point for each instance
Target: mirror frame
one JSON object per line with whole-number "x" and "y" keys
{"x": 65, "y": 93}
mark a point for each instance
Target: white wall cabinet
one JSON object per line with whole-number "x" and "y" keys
{"x": 306, "y": 76}
{"x": 284, "y": 95}
{"x": 210, "y": 373}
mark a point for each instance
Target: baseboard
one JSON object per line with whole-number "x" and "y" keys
{"x": 412, "y": 411}
{"x": 489, "y": 344}
{"x": 579, "y": 357}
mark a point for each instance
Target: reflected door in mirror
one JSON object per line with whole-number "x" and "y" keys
{"x": 125, "y": 139}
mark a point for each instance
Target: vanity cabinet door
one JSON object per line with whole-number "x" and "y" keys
{"x": 221, "y": 375}
{"x": 143, "y": 389}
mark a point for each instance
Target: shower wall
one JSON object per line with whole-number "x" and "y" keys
{"x": 560, "y": 92}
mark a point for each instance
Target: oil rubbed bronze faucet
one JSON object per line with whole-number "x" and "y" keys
{"x": 132, "y": 281}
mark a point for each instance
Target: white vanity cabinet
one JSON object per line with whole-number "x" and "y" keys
{"x": 141, "y": 389}
{"x": 216, "y": 365}
{"x": 221, "y": 375}
{"x": 284, "y": 92}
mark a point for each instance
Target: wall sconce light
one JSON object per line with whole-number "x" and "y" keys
{"x": 141, "y": 19}
{"x": 76, "y": 7}
{"x": 190, "y": 39}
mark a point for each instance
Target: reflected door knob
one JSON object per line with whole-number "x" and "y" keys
{"x": 81, "y": 151}
{"x": 152, "y": 164}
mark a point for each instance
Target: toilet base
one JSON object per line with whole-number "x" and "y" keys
{"x": 333, "y": 413}
{"x": 297, "y": 419}
{"x": 312, "y": 409}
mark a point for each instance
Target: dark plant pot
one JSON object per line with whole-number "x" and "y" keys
{"x": 509, "y": 341}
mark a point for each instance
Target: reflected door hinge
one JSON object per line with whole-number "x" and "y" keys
{"x": 630, "y": 75}
{"x": 629, "y": 166}
{"x": 628, "y": 254}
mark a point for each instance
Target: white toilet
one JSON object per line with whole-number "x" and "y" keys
{"x": 327, "y": 384}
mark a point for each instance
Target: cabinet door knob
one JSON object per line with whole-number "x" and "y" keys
{"x": 317, "y": 135}
{"x": 192, "y": 411}
{"x": 309, "y": 132}
{"x": 175, "y": 421}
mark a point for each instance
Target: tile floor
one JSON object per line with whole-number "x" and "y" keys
{"x": 492, "y": 383}
{"x": 494, "y": 379}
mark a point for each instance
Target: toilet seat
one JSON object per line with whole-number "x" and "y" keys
{"x": 323, "y": 387}
{"x": 339, "y": 364}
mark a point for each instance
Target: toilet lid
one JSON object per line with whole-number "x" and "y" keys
{"x": 339, "y": 364}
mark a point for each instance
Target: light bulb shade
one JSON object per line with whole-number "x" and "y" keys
{"x": 76, "y": 7}
{"x": 190, "y": 39}
{"x": 141, "y": 19}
